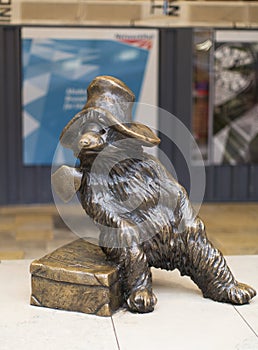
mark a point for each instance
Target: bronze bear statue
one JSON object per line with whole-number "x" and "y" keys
{"x": 144, "y": 215}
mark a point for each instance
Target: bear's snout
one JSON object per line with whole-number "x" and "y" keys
{"x": 90, "y": 141}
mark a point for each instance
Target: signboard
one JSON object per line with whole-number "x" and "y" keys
{"x": 5, "y": 11}
{"x": 58, "y": 65}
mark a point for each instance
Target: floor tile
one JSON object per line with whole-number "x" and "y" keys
{"x": 232, "y": 227}
{"x": 7, "y": 223}
{"x": 246, "y": 268}
{"x": 33, "y": 219}
{"x": 183, "y": 320}
{"x": 33, "y": 234}
{"x": 28, "y": 327}
{"x": 11, "y": 254}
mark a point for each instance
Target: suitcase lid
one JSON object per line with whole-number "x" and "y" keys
{"x": 79, "y": 262}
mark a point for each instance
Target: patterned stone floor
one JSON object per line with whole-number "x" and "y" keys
{"x": 28, "y": 232}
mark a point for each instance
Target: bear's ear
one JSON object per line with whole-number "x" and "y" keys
{"x": 138, "y": 131}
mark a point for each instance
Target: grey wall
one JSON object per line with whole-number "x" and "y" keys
{"x": 20, "y": 184}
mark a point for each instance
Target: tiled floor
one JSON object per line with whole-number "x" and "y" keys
{"x": 27, "y": 232}
{"x": 182, "y": 319}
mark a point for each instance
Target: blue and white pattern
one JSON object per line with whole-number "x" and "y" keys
{"x": 56, "y": 73}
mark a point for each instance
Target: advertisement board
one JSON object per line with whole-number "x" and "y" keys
{"x": 58, "y": 65}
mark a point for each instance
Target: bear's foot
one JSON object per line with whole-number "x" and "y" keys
{"x": 240, "y": 293}
{"x": 237, "y": 294}
{"x": 142, "y": 301}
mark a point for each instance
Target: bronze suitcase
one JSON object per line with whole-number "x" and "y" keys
{"x": 76, "y": 277}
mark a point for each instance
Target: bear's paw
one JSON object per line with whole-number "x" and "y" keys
{"x": 142, "y": 301}
{"x": 240, "y": 293}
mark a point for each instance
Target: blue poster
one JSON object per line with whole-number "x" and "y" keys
{"x": 56, "y": 73}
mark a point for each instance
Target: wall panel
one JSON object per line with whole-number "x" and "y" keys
{"x": 3, "y": 122}
{"x": 18, "y": 184}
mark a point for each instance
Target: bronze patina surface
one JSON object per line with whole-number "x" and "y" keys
{"x": 76, "y": 277}
{"x": 144, "y": 215}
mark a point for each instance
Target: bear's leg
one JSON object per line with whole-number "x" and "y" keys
{"x": 208, "y": 269}
{"x": 136, "y": 277}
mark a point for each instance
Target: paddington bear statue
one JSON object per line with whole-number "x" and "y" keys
{"x": 144, "y": 215}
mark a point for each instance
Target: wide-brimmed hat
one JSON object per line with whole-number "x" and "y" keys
{"x": 110, "y": 103}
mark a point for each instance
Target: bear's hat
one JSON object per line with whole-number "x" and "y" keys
{"x": 109, "y": 102}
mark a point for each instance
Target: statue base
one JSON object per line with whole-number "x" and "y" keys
{"x": 76, "y": 277}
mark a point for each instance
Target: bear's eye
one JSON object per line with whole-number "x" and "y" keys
{"x": 102, "y": 132}
{"x": 91, "y": 127}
